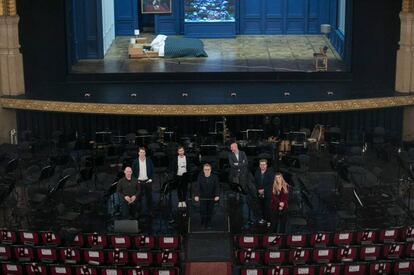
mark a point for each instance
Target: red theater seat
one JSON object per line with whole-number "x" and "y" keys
{"x": 169, "y": 242}
{"x": 355, "y": 268}
{"x": 117, "y": 257}
{"x": 47, "y": 254}
{"x": 138, "y": 270}
{"x": 60, "y": 270}
{"x": 304, "y": 270}
{"x": 251, "y": 271}
{"x": 331, "y": 268}
{"x": 36, "y": 269}
{"x": 144, "y": 242}
{"x": 248, "y": 257}
{"x": 346, "y": 253}
{"x": 273, "y": 241}
{"x": 320, "y": 239}
{"x": 167, "y": 258}
{"x": 111, "y": 271}
{"x": 94, "y": 256}
{"x": 409, "y": 250}
{"x": 142, "y": 258}
{"x": 70, "y": 255}
{"x": 382, "y": 267}
{"x": 393, "y": 250}
{"x": 323, "y": 255}
{"x": 369, "y": 252}
{"x": 298, "y": 240}
{"x": 388, "y": 235}
{"x": 407, "y": 234}
{"x": 166, "y": 271}
{"x": 404, "y": 266}
{"x": 50, "y": 238}
{"x": 366, "y": 237}
{"x": 275, "y": 257}
{"x": 12, "y": 269}
{"x": 29, "y": 238}
{"x": 96, "y": 240}
{"x": 5, "y": 252}
{"x": 248, "y": 241}
{"x": 8, "y": 237}
{"x": 119, "y": 241}
{"x": 78, "y": 240}
{"x": 24, "y": 253}
{"x": 278, "y": 270}
{"x": 299, "y": 256}
{"x": 86, "y": 270}
{"x": 343, "y": 238}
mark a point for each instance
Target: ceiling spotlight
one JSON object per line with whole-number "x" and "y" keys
{"x": 184, "y": 94}
{"x": 286, "y": 93}
{"x": 133, "y": 95}
{"x": 233, "y": 94}
{"x": 330, "y": 93}
{"x": 87, "y": 94}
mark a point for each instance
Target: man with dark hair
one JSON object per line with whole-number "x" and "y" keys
{"x": 264, "y": 177}
{"x": 142, "y": 169}
{"x": 128, "y": 189}
{"x": 206, "y": 191}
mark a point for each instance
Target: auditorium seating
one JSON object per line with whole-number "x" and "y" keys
{"x": 32, "y": 252}
{"x": 385, "y": 251}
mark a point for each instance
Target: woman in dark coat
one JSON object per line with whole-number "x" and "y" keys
{"x": 279, "y": 205}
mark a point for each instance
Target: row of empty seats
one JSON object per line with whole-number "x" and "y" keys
{"x": 91, "y": 240}
{"x": 358, "y": 268}
{"x": 45, "y": 269}
{"x": 269, "y": 241}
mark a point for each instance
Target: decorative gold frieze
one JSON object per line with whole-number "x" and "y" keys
{"x": 220, "y": 109}
{"x": 2, "y": 8}
{"x": 407, "y": 6}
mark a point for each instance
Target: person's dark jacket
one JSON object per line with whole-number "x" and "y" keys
{"x": 150, "y": 168}
{"x": 238, "y": 167}
{"x": 267, "y": 181}
{"x": 207, "y": 187}
{"x": 128, "y": 187}
{"x": 173, "y": 168}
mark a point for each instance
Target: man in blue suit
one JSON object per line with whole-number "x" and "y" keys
{"x": 142, "y": 168}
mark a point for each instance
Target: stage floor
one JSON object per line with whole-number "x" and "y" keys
{"x": 261, "y": 53}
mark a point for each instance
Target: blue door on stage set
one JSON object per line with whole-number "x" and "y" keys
{"x": 126, "y": 17}
{"x": 282, "y": 16}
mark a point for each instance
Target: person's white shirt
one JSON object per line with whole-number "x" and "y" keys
{"x": 142, "y": 170}
{"x": 182, "y": 165}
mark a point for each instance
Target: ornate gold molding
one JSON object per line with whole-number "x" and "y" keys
{"x": 219, "y": 109}
{"x": 407, "y": 5}
{"x": 11, "y": 8}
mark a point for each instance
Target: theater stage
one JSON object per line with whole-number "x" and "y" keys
{"x": 261, "y": 53}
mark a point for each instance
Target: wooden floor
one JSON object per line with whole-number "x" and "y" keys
{"x": 262, "y": 53}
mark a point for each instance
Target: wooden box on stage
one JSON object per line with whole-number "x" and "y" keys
{"x": 137, "y": 51}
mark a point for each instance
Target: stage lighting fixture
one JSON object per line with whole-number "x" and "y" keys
{"x": 330, "y": 93}
{"x": 233, "y": 94}
{"x": 133, "y": 95}
{"x": 286, "y": 93}
{"x": 87, "y": 95}
{"x": 184, "y": 94}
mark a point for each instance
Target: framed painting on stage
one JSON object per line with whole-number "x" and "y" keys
{"x": 156, "y": 6}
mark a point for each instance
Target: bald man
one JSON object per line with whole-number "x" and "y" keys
{"x": 128, "y": 189}
{"x": 238, "y": 163}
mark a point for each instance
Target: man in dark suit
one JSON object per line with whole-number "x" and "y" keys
{"x": 264, "y": 178}
{"x": 239, "y": 175}
{"x": 206, "y": 191}
{"x": 180, "y": 168}
{"x": 128, "y": 190}
{"x": 142, "y": 168}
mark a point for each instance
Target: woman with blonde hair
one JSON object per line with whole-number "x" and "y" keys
{"x": 279, "y": 205}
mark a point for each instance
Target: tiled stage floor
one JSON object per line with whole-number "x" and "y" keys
{"x": 263, "y": 53}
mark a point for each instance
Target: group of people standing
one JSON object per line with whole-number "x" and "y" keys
{"x": 264, "y": 196}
